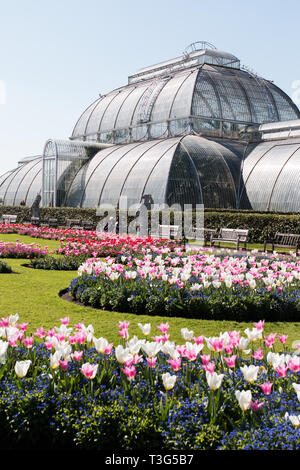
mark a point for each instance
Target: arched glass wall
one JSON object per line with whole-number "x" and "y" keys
{"x": 187, "y": 170}
{"x": 271, "y": 177}
{"x": 61, "y": 161}
{"x": 22, "y": 184}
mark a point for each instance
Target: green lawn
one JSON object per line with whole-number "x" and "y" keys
{"x": 33, "y": 294}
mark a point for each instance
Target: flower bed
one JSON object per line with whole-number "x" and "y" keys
{"x": 47, "y": 232}
{"x": 199, "y": 286}
{"x": 64, "y": 263}
{"x": 108, "y": 244}
{"x": 65, "y": 388}
{"x": 21, "y": 250}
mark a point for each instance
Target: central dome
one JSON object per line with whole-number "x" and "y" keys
{"x": 204, "y": 91}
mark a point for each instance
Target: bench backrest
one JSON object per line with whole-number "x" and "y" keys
{"x": 228, "y": 233}
{"x": 243, "y": 234}
{"x": 234, "y": 233}
{"x": 71, "y": 222}
{"x": 9, "y": 219}
{"x": 168, "y": 230}
{"x": 288, "y": 239}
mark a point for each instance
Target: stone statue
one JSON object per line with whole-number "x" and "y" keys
{"x": 35, "y": 210}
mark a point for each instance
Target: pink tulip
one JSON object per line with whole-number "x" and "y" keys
{"x": 255, "y": 405}
{"x": 258, "y": 354}
{"x": 13, "y": 341}
{"x": 191, "y": 354}
{"x": 266, "y": 388}
{"x": 230, "y": 361}
{"x": 59, "y": 336}
{"x": 294, "y": 364}
{"x": 72, "y": 339}
{"x": 151, "y": 362}
{"x": 129, "y": 362}
{"x": 282, "y": 371}
{"x": 129, "y": 372}
{"x": 137, "y": 359}
{"x": 28, "y": 342}
{"x": 199, "y": 339}
{"x": 260, "y": 325}
{"x": 175, "y": 363}
{"x": 80, "y": 337}
{"x": 270, "y": 340}
{"x": 48, "y": 345}
{"x": 23, "y": 326}
{"x": 228, "y": 349}
{"x": 124, "y": 333}
{"x": 77, "y": 355}
{"x": 108, "y": 349}
{"x": 283, "y": 338}
{"x": 217, "y": 344}
{"x": 163, "y": 327}
{"x": 181, "y": 349}
{"x": 210, "y": 367}
{"x": 63, "y": 365}
{"x": 205, "y": 359}
{"x": 4, "y": 322}
{"x": 123, "y": 325}
{"x": 158, "y": 339}
{"x": 89, "y": 370}
{"x": 65, "y": 321}
{"x": 40, "y": 333}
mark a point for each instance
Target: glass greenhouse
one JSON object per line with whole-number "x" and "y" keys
{"x": 197, "y": 129}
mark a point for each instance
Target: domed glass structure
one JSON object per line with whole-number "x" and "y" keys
{"x": 197, "y": 129}
{"x": 204, "y": 91}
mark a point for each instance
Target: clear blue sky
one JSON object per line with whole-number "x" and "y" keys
{"x": 57, "y": 56}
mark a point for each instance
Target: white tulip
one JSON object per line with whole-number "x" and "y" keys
{"x": 146, "y": 328}
{"x": 193, "y": 346}
{"x": 134, "y": 345}
{"x": 54, "y": 360}
{"x": 12, "y": 319}
{"x": 187, "y": 334}
{"x": 169, "y": 348}
{"x": 21, "y": 368}
{"x": 250, "y": 372}
{"x": 151, "y": 348}
{"x": 123, "y": 354}
{"x": 169, "y": 380}
{"x": 3, "y": 351}
{"x": 296, "y": 387}
{"x": 243, "y": 343}
{"x": 244, "y": 398}
{"x": 295, "y": 420}
{"x": 195, "y": 286}
{"x": 100, "y": 344}
{"x": 214, "y": 380}
{"x": 254, "y": 334}
{"x": 228, "y": 282}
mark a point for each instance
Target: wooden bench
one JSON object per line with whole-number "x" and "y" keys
{"x": 35, "y": 221}
{"x": 50, "y": 223}
{"x": 74, "y": 224}
{"x": 231, "y": 235}
{"x": 205, "y": 234}
{"x": 284, "y": 240}
{"x": 168, "y": 231}
{"x": 88, "y": 225}
{"x": 8, "y": 219}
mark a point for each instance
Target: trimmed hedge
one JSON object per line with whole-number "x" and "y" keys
{"x": 261, "y": 225}
{"x": 4, "y": 268}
